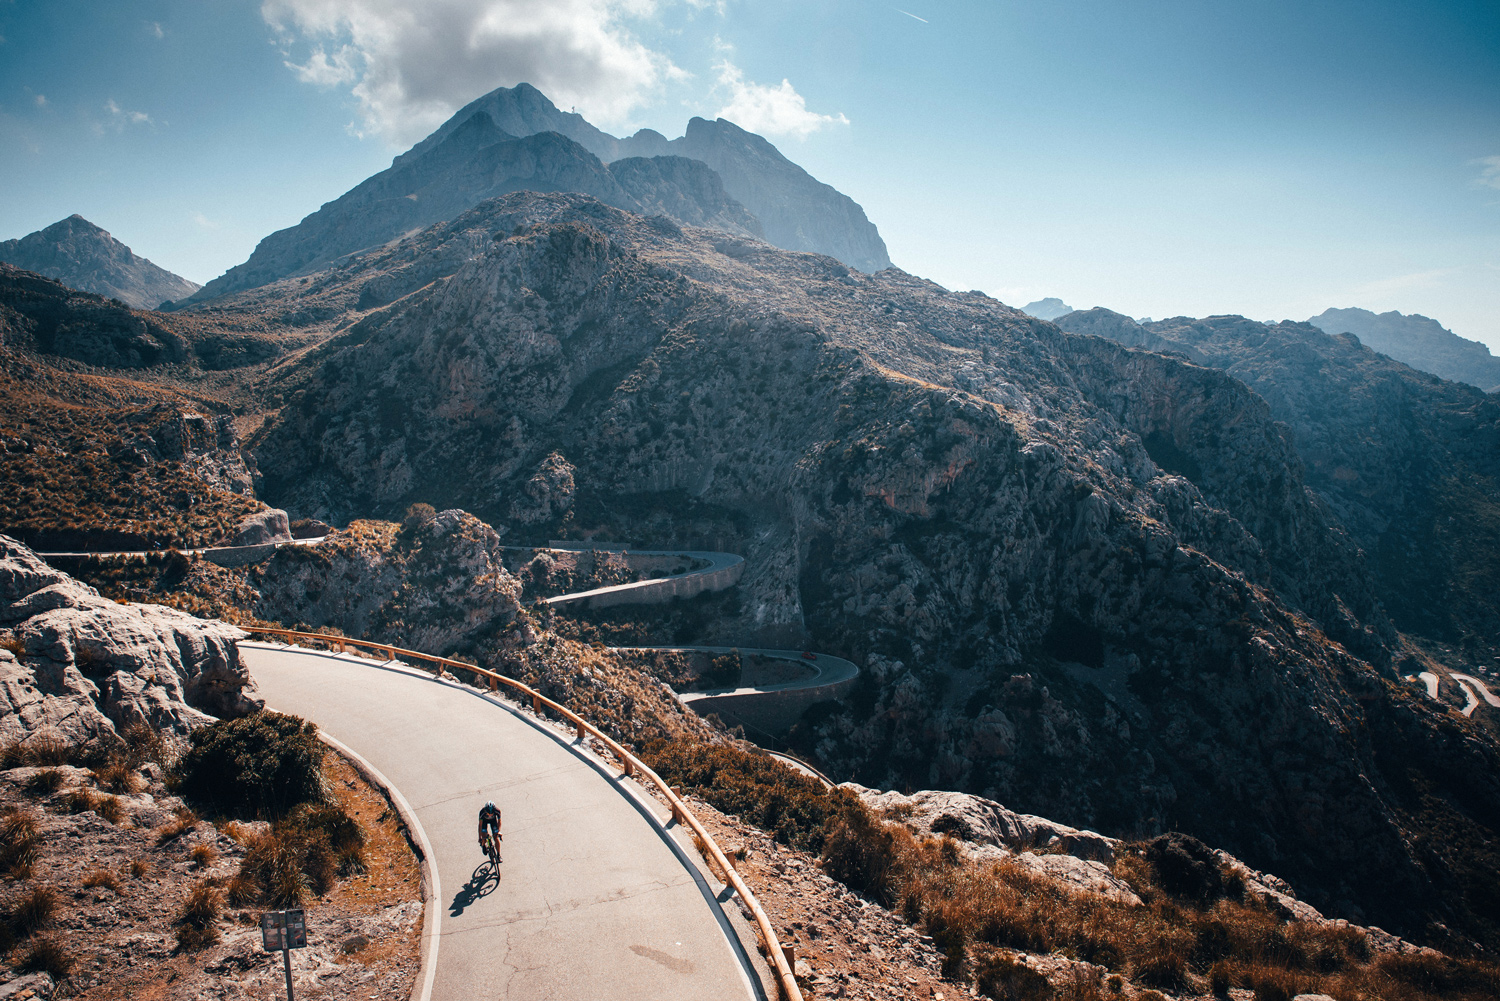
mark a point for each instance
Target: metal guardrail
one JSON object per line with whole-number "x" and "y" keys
{"x": 629, "y": 764}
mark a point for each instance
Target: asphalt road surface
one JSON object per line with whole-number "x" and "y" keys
{"x": 593, "y": 900}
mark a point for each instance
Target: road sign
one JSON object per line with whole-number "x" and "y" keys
{"x": 283, "y": 931}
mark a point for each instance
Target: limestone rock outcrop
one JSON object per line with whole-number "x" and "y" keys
{"x": 261, "y": 528}
{"x": 81, "y": 668}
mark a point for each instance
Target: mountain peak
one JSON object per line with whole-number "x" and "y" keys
{"x": 84, "y": 256}
{"x": 1418, "y": 341}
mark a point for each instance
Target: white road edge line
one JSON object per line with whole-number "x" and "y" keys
{"x": 432, "y": 905}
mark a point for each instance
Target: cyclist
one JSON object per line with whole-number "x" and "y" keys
{"x": 489, "y": 823}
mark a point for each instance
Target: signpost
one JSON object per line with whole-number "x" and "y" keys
{"x": 284, "y": 931}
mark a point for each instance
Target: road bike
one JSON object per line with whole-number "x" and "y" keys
{"x": 491, "y": 844}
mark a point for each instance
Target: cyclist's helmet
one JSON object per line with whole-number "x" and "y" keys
{"x": 489, "y": 805}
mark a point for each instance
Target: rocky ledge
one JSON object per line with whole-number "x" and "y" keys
{"x": 79, "y": 668}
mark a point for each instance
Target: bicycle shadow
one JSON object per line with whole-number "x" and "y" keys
{"x": 481, "y": 884}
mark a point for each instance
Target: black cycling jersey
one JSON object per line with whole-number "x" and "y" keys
{"x": 489, "y": 816}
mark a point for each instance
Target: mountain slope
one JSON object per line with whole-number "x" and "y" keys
{"x": 80, "y": 254}
{"x": 1086, "y": 581}
{"x": 1419, "y": 341}
{"x": 1410, "y": 463}
{"x": 798, "y": 211}
{"x": 474, "y": 161}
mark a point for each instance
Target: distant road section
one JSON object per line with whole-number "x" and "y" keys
{"x": 593, "y": 901}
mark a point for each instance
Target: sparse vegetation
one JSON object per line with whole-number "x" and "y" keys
{"x": 1198, "y": 928}
{"x": 45, "y": 782}
{"x": 32, "y": 911}
{"x": 47, "y": 955}
{"x": 197, "y": 923}
{"x": 101, "y": 877}
{"x": 19, "y": 839}
{"x": 203, "y": 856}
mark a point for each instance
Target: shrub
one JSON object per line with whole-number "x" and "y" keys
{"x": 110, "y": 808}
{"x": 116, "y": 775}
{"x": 45, "y": 782}
{"x": 143, "y": 743}
{"x": 33, "y": 911}
{"x": 101, "y": 877}
{"x": 197, "y": 922}
{"x": 140, "y": 868}
{"x": 999, "y": 976}
{"x": 203, "y": 856}
{"x": 37, "y": 751}
{"x": 18, "y": 842}
{"x": 304, "y": 852}
{"x": 262, "y": 764}
{"x": 1185, "y": 867}
{"x": 183, "y": 820}
{"x": 48, "y": 956}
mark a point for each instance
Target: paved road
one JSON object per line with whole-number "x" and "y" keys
{"x": 192, "y": 552}
{"x": 644, "y": 589}
{"x": 593, "y": 901}
{"x": 827, "y": 669}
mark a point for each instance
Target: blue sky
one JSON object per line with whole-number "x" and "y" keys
{"x": 1160, "y": 158}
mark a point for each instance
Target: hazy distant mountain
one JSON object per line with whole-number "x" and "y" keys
{"x": 799, "y": 212}
{"x": 1049, "y": 308}
{"x": 475, "y": 160}
{"x": 1419, "y": 341}
{"x": 445, "y": 174}
{"x": 83, "y": 256}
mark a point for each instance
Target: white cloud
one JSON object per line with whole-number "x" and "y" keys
{"x": 120, "y": 117}
{"x": 41, "y": 101}
{"x": 412, "y": 65}
{"x": 1489, "y": 171}
{"x": 155, "y": 28}
{"x": 769, "y": 110}
{"x": 204, "y": 221}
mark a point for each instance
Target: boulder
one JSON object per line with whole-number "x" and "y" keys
{"x": 79, "y": 668}
{"x": 262, "y": 527}
{"x": 983, "y": 821}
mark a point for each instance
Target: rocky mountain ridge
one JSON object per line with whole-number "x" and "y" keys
{"x": 1418, "y": 341}
{"x": 85, "y": 257}
{"x": 1085, "y": 580}
{"x": 716, "y": 175}
{"x": 1400, "y": 457}
{"x": 798, "y": 211}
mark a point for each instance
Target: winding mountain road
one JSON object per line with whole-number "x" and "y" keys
{"x": 595, "y": 899}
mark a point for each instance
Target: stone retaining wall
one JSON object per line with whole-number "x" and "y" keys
{"x": 658, "y": 591}
{"x": 771, "y": 713}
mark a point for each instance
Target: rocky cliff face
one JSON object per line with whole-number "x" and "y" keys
{"x": 83, "y": 256}
{"x": 81, "y": 669}
{"x": 1418, "y": 341}
{"x": 1401, "y": 458}
{"x": 798, "y": 211}
{"x": 1087, "y": 581}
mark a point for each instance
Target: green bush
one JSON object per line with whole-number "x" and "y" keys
{"x": 264, "y": 765}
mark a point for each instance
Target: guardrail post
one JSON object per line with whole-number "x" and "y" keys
{"x": 536, "y": 703}
{"x": 580, "y": 729}
{"x": 494, "y": 685}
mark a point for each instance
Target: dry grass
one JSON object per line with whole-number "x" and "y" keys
{"x": 183, "y": 820}
{"x": 19, "y": 841}
{"x": 101, "y": 877}
{"x": 1198, "y": 930}
{"x": 197, "y": 922}
{"x": 47, "y": 955}
{"x": 45, "y": 782}
{"x": 117, "y": 776}
{"x": 203, "y": 856}
{"x": 140, "y": 868}
{"x": 33, "y": 911}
